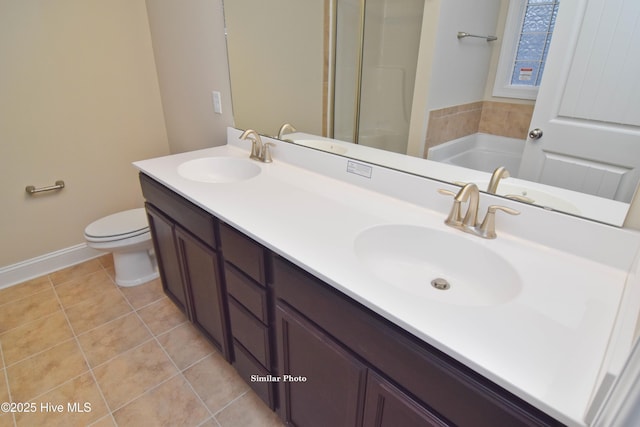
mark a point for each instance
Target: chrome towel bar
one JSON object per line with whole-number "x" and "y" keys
{"x": 462, "y": 34}
{"x": 30, "y": 189}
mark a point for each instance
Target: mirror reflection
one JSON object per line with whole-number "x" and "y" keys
{"x": 393, "y": 75}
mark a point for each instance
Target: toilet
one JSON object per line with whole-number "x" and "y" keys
{"x": 126, "y": 234}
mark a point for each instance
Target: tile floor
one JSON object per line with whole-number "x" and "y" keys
{"x": 73, "y": 338}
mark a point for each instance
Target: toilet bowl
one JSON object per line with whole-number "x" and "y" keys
{"x": 126, "y": 234}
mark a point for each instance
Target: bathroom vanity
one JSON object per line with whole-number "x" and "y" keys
{"x": 269, "y": 268}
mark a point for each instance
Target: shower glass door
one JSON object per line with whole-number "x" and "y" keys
{"x": 377, "y": 45}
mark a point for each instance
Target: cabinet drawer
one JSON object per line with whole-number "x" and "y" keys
{"x": 249, "y": 369}
{"x": 250, "y": 332}
{"x": 199, "y": 222}
{"x": 247, "y": 293}
{"x": 244, "y": 253}
{"x": 452, "y": 390}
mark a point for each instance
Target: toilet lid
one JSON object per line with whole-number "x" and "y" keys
{"x": 121, "y": 224}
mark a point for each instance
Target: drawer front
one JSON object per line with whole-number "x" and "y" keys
{"x": 254, "y": 374}
{"x": 244, "y": 253}
{"x": 252, "y": 296}
{"x": 200, "y": 223}
{"x": 250, "y": 332}
{"x": 451, "y": 389}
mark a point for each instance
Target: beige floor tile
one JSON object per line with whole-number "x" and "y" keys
{"x": 248, "y": 411}
{"x": 75, "y": 271}
{"x": 97, "y": 311}
{"x": 44, "y": 371}
{"x": 106, "y": 261}
{"x": 170, "y": 404}
{"x": 107, "y": 421}
{"x": 4, "y": 392}
{"x": 34, "y": 337}
{"x": 112, "y": 338}
{"x": 185, "y": 345}
{"x": 162, "y": 316}
{"x": 211, "y": 422}
{"x": 132, "y": 373}
{"x": 81, "y": 289}
{"x": 25, "y": 289}
{"x": 215, "y": 381}
{"x": 27, "y": 309}
{"x": 81, "y": 402}
{"x": 111, "y": 271}
{"x": 6, "y": 420}
{"x": 145, "y": 294}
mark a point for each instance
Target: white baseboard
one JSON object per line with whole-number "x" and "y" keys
{"x": 47, "y": 263}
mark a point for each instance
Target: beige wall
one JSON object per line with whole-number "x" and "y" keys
{"x": 79, "y": 101}
{"x": 262, "y": 33}
{"x": 191, "y": 58}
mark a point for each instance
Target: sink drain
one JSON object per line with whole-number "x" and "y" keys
{"x": 440, "y": 284}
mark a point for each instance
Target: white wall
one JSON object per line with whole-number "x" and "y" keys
{"x": 79, "y": 101}
{"x": 461, "y": 66}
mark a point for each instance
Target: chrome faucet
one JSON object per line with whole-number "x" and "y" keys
{"x": 469, "y": 223}
{"x": 259, "y": 151}
{"x": 498, "y": 174}
{"x": 284, "y": 128}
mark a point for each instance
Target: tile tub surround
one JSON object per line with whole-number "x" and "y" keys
{"x": 494, "y": 118}
{"x": 74, "y": 336}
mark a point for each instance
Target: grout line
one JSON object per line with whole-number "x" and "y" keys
{"x": 232, "y": 401}
{"x": 180, "y": 372}
{"x": 86, "y": 360}
{"x": 6, "y": 380}
{"x": 38, "y": 353}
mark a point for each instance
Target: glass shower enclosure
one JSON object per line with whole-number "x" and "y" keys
{"x": 376, "y": 52}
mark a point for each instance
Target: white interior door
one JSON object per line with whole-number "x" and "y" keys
{"x": 588, "y": 106}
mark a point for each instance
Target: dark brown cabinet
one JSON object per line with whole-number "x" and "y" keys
{"x": 311, "y": 353}
{"x": 321, "y": 384}
{"x": 186, "y": 248}
{"x": 201, "y": 280}
{"x": 388, "y": 406}
{"x": 250, "y": 311}
{"x": 163, "y": 231}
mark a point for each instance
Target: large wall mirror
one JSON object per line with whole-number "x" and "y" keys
{"x": 394, "y": 75}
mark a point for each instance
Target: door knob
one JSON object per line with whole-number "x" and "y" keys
{"x": 535, "y": 133}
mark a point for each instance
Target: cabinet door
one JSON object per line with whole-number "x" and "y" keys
{"x": 333, "y": 391}
{"x": 164, "y": 242}
{"x": 202, "y": 277}
{"x": 387, "y": 406}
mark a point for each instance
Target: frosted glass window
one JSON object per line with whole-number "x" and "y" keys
{"x": 533, "y": 44}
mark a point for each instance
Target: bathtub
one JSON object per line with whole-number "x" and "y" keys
{"x": 480, "y": 151}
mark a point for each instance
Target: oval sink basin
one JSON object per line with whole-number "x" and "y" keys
{"x": 218, "y": 169}
{"x": 322, "y": 145}
{"x": 432, "y": 264}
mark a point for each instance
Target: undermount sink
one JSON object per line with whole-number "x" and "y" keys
{"x": 218, "y": 169}
{"x": 322, "y": 145}
{"x": 436, "y": 265}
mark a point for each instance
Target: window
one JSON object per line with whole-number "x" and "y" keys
{"x": 525, "y": 45}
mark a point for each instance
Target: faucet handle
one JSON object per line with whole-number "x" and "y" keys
{"x": 488, "y": 227}
{"x": 266, "y": 152}
{"x": 455, "y": 217}
{"x": 446, "y": 192}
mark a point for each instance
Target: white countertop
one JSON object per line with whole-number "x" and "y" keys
{"x": 547, "y": 345}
